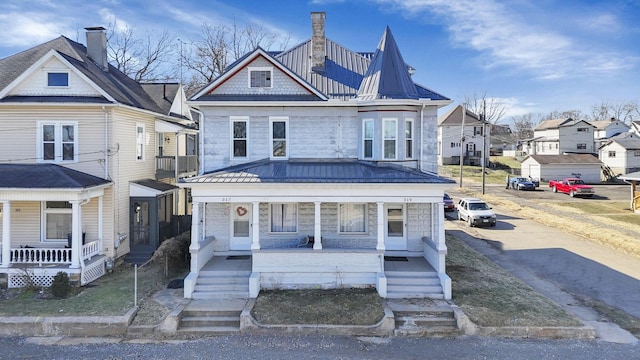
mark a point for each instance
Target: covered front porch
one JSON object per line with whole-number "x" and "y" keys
{"x": 52, "y": 221}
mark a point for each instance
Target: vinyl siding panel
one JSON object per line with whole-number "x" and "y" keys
{"x": 36, "y": 84}
{"x": 281, "y": 82}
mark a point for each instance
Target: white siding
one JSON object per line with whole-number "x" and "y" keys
{"x": 36, "y": 84}
{"x": 281, "y": 83}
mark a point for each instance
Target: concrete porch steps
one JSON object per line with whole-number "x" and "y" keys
{"x": 222, "y": 284}
{"x": 422, "y": 317}
{"x": 411, "y": 284}
{"x": 211, "y": 317}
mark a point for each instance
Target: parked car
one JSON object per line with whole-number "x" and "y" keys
{"x": 448, "y": 203}
{"x": 522, "y": 183}
{"x": 475, "y": 212}
{"x": 572, "y": 186}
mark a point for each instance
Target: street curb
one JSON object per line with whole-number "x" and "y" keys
{"x": 84, "y": 326}
{"x": 249, "y": 325}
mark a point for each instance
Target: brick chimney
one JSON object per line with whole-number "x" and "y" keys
{"x": 318, "y": 52}
{"x": 97, "y": 46}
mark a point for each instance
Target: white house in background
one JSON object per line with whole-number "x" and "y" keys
{"x": 320, "y": 171}
{"x": 635, "y": 127}
{"x": 451, "y": 137}
{"x": 78, "y": 161}
{"x": 605, "y": 129}
{"x": 621, "y": 153}
{"x": 554, "y": 167}
{"x": 561, "y": 136}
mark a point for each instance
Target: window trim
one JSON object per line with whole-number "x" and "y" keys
{"x": 58, "y": 72}
{"x": 58, "y": 143}
{"x": 365, "y": 138}
{"x": 232, "y": 138}
{"x": 43, "y": 220}
{"x": 409, "y": 124}
{"x": 365, "y": 220}
{"x": 611, "y": 154}
{"x": 140, "y": 142}
{"x": 274, "y": 119}
{"x": 271, "y": 231}
{"x": 260, "y": 68}
{"x": 384, "y": 139}
{"x": 581, "y": 146}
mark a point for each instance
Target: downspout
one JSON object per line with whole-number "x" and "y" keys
{"x": 421, "y": 136}
{"x": 200, "y": 141}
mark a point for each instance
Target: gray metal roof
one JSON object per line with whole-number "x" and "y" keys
{"x": 45, "y": 176}
{"x": 317, "y": 171}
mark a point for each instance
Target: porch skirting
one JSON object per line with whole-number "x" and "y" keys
{"x": 21, "y": 275}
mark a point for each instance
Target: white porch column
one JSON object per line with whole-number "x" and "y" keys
{"x": 6, "y": 233}
{"x": 255, "y": 225}
{"x": 195, "y": 226}
{"x": 380, "y": 245}
{"x": 317, "y": 227}
{"x": 76, "y": 233}
{"x": 100, "y": 223}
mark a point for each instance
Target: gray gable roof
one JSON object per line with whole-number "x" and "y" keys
{"x": 115, "y": 83}
{"x": 628, "y": 140}
{"x": 317, "y": 171}
{"x": 46, "y": 176}
{"x": 564, "y": 159}
{"x": 454, "y": 117}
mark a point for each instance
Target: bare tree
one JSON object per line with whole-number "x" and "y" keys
{"x": 573, "y": 114}
{"x": 142, "y": 59}
{"x": 523, "y": 125}
{"x": 625, "y": 111}
{"x": 488, "y": 107}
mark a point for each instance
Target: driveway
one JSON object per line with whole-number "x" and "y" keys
{"x": 554, "y": 261}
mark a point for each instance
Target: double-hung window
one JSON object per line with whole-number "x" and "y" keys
{"x": 140, "y": 137}
{"x": 278, "y": 137}
{"x": 58, "y": 141}
{"x": 581, "y": 146}
{"x": 390, "y": 134}
{"x": 367, "y": 136}
{"x": 284, "y": 218}
{"x": 239, "y": 136}
{"x": 56, "y": 220}
{"x": 260, "y": 77}
{"x": 408, "y": 139}
{"x": 352, "y": 218}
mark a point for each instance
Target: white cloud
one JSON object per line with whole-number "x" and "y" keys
{"x": 111, "y": 19}
{"x": 23, "y": 29}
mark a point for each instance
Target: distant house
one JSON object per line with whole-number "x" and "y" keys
{"x": 452, "y": 138}
{"x": 621, "y": 153}
{"x": 561, "y": 136}
{"x": 89, "y": 159}
{"x": 552, "y": 167}
{"x": 501, "y": 139}
{"x": 605, "y": 129}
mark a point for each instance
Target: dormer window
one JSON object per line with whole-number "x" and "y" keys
{"x": 57, "y": 79}
{"x": 260, "y": 77}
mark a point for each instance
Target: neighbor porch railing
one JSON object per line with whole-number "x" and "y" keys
{"x": 51, "y": 256}
{"x": 166, "y": 165}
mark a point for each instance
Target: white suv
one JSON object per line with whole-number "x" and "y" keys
{"x": 476, "y": 212}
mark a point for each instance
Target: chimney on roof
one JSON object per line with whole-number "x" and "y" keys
{"x": 318, "y": 52}
{"x": 97, "y": 46}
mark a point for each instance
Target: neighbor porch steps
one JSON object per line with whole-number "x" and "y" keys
{"x": 412, "y": 284}
{"x": 212, "y": 284}
{"x": 209, "y": 322}
{"x": 423, "y": 317}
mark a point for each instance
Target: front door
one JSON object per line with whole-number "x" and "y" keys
{"x": 395, "y": 237}
{"x": 240, "y": 227}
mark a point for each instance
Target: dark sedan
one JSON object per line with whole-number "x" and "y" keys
{"x": 448, "y": 203}
{"x": 521, "y": 183}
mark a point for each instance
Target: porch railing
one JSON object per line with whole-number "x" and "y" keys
{"x": 51, "y": 256}
{"x": 166, "y": 165}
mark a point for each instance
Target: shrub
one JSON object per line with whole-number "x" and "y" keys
{"x": 61, "y": 286}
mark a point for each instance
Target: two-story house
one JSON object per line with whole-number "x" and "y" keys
{"x": 320, "y": 171}
{"x": 621, "y": 153}
{"x": 78, "y": 185}
{"x": 605, "y": 129}
{"x": 464, "y": 136}
{"x": 561, "y": 136}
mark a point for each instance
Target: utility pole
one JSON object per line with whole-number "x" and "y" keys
{"x": 484, "y": 140}
{"x": 464, "y": 114}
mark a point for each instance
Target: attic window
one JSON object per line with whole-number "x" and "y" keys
{"x": 260, "y": 77}
{"x": 57, "y": 79}
{"x": 583, "y": 129}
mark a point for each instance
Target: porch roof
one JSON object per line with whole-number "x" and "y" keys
{"x": 317, "y": 171}
{"x": 46, "y": 176}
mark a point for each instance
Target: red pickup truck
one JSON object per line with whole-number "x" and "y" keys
{"x": 572, "y": 186}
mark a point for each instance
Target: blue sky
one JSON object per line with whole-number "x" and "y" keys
{"x": 533, "y": 55}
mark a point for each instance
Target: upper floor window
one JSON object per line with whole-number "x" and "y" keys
{"x": 636, "y": 153}
{"x": 57, "y": 79}
{"x": 367, "y": 136}
{"x": 389, "y": 136}
{"x": 140, "y": 136}
{"x": 612, "y": 154}
{"x": 283, "y": 218}
{"x": 583, "y": 129}
{"x": 57, "y": 141}
{"x": 278, "y": 137}
{"x": 408, "y": 139}
{"x": 260, "y": 77}
{"x": 352, "y": 218}
{"x": 477, "y": 130}
{"x": 239, "y": 136}
{"x": 582, "y": 146}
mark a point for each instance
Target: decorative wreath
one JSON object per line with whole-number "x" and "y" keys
{"x": 241, "y": 211}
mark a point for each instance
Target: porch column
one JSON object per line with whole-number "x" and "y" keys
{"x": 6, "y": 233}
{"x": 76, "y": 233}
{"x": 100, "y": 223}
{"x": 255, "y": 225}
{"x": 195, "y": 226}
{"x": 317, "y": 227}
{"x": 380, "y": 245}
